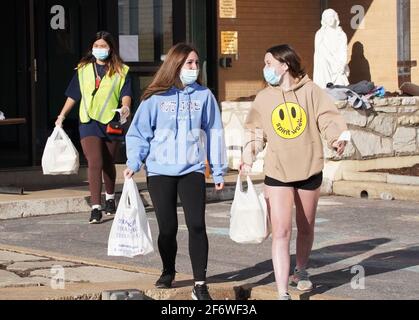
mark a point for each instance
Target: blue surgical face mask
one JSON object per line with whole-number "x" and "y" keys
{"x": 189, "y": 76}
{"x": 100, "y": 53}
{"x": 270, "y": 76}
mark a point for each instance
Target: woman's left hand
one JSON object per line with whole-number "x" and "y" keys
{"x": 125, "y": 112}
{"x": 219, "y": 186}
{"x": 339, "y": 147}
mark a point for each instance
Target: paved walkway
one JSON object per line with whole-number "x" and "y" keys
{"x": 364, "y": 249}
{"x": 48, "y": 276}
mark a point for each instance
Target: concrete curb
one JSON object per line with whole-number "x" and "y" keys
{"x": 77, "y": 259}
{"x": 80, "y": 203}
{"x": 380, "y": 177}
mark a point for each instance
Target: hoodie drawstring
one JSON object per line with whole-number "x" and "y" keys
{"x": 187, "y": 106}
{"x": 286, "y": 105}
{"x": 177, "y": 113}
{"x": 189, "y": 109}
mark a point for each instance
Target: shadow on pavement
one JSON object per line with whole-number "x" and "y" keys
{"x": 318, "y": 258}
{"x": 376, "y": 264}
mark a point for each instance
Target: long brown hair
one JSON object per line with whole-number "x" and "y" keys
{"x": 114, "y": 61}
{"x": 168, "y": 74}
{"x": 286, "y": 54}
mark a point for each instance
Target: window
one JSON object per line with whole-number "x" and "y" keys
{"x": 150, "y": 25}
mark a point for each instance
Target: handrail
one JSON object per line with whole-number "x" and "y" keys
{"x": 12, "y": 121}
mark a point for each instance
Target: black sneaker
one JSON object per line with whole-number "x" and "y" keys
{"x": 95, "y": 216}
{"x": 166, "y": 280}
{"x": 110, "y": 207}
{"x": 200, "y": 292}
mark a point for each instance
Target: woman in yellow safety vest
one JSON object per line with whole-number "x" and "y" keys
{"x": 103, "y": 87}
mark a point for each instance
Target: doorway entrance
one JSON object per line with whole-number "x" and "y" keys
{"x": 15, "y": 85}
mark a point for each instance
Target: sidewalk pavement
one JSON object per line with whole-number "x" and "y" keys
{"x": 75, "y": 198}
{"x": 372, "y": 236}
{"x": 28, "y": 274}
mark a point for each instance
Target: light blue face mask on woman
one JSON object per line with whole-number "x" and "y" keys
{"x": 100, "y": 53}
{"x": 188, "y": 76}
{"x": 270, "y": 76}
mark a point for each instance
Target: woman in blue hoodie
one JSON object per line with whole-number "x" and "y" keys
{"x": 176, "y": 129}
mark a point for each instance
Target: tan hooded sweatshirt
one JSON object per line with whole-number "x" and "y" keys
{"x": 292, "y": 123}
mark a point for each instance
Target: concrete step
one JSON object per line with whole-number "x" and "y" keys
{"x": 375, "y": 190}
{"x": 380, "y": 177}
{"x": 75, "y": 199}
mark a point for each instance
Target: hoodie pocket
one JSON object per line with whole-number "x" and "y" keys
{"x": 160, "y": 147}
{"x": 297, "y": 162}
{"x": 196, "y": 152}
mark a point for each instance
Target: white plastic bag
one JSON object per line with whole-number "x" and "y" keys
{"x": 249, "y": 221}
{"x": 60, "y": 156}
{"x": 130, "y": 233}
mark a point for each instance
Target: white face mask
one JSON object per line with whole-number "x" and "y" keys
{"x": 189, "y": 76}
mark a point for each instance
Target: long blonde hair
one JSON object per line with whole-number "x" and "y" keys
{"x": 168, "y": 74}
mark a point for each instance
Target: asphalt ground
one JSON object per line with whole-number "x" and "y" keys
{"x": 364, "y": 249}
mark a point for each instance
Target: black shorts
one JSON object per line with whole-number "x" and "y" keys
{"x": 312, "y": 183}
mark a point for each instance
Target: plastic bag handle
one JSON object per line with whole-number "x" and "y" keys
{"x": 239, "y": 185}
{"x": 129, "y": 191}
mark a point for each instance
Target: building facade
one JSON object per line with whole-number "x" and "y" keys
{"x": 383, "y": 40}
{"x": 45, "y": 39}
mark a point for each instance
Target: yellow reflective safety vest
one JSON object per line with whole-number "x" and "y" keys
{"x": 100, "y": 106}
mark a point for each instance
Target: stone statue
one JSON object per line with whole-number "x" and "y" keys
{"x": 331, "y": 52}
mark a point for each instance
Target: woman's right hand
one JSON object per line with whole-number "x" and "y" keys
{"x": 59, "y": 121}
{"x": 128, "y": 173}
{"x": 245, "y": 169}
{"x": 339, "y": 147}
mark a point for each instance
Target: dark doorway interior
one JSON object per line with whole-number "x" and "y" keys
{"x": 59, "y": 47}
{"x": 45, "y": 39}
{"x": 14, "y": 84}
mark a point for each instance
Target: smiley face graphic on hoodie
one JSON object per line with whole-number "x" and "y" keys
{"x": 289, "y": 120}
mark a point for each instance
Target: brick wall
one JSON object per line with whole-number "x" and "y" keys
{"x": 262, "y": 24}
{"x": 372, "y": 51}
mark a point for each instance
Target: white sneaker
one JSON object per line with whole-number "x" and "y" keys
{"x": 301, "y": 280}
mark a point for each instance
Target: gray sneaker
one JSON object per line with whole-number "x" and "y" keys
{"x": 285, "y": 296}
{"x": 301, "y": 280}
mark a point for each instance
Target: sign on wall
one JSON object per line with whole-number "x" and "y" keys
{"x": 228, "y": 9}
{"x": 229, "y": 42}
{"x": 58, "y": 17}
{"x": 128, "y": 48}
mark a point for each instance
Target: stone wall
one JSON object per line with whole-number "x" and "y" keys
{"x": 390, "y": 128}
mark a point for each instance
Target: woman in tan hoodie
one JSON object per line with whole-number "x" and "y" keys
{"x": 291, "y": 115}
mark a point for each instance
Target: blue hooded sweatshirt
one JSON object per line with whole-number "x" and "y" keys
{"x": 175, "y": 132}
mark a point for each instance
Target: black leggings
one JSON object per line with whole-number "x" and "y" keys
{"x": 191, "y": 189}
